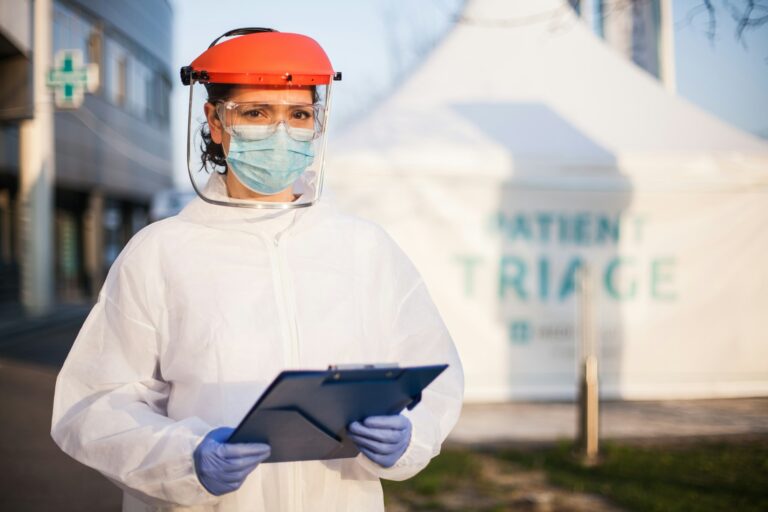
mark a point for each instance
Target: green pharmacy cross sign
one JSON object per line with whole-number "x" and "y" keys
{"x": 70, "y": 79}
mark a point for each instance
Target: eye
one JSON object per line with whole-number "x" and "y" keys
{"x": 254, "y": 113}
{"x": 303, "y": 114}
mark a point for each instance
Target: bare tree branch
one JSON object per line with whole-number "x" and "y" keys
{"x": 712, "y": 20}
{"x": 748, "y": 15}
{"x": 742, "y": 18}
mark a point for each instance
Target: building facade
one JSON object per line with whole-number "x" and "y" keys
{"x": 111, "y": 154}
{"x": 640, "y": 30}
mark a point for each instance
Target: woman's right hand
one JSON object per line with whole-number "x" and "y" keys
{"x": 223, "y": 467}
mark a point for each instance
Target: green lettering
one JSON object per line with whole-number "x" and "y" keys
{"x": 581, "y": 229}
{"x": 521, "y": 228}
{"x": 568, "y": 285}
{"x": 661, "y": 273}
{"x": 639, "y": 224}
{"x": 543, "y": 279}
{"x": 562, "y": 229}
{"x": 610, "y": 280}
{"x": 544, "y": 220}
{"x": 607, "y": 229}
{"x": 515, "y": 281}
{"x": 469, "y": 264}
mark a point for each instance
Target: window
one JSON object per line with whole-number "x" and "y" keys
{"x": 121, "y": 80}
{"x": 138, "y": 89}
{"x": 94, "y": 54}
{"x": 159, "y": 92}
{"x": 71, "y": 31}
{"x": 164, "y": 111}
{"x": 115, "y": 72}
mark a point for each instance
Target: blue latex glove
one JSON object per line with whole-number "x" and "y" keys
{"x": 383, "y": 439}
{"x": 222, "y": 467}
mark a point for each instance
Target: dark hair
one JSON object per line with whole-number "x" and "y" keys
{"x": 212, "y": 153}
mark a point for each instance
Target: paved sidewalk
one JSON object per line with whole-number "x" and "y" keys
{"x": 543, "y": 422}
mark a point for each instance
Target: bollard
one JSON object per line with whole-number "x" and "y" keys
{"x": 588, "y": 400}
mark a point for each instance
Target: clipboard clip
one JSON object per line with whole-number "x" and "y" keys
{"x": 362, "y": 372}
{"x": 380, "y": 366}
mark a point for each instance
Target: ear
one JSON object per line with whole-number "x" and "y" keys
{"x": 214, "y": 124}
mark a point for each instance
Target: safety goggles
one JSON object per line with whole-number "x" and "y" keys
{"x": 258, "y": 121}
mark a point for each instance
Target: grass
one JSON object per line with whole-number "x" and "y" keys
{"x": 455, "y": 472}
{"x": 446, "y": 473}
{"x": 705, "y": 476}
{"x": 699, "y": 476}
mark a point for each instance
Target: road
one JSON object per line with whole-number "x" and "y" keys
{"x": 37, "y": 475}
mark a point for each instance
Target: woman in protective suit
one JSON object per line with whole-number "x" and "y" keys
{"x": 202, "y": 310}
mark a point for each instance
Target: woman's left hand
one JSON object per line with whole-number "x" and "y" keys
{"x": 383, "y": 439}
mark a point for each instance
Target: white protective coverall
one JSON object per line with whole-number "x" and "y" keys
{"x": 203, "y": 310}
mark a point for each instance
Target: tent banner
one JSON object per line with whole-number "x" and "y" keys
{"x": 679, "y": 283}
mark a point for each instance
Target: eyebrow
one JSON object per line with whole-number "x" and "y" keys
{"x": 272, "y": 105}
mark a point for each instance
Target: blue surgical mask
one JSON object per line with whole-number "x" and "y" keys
{"x": 269, "y": 165}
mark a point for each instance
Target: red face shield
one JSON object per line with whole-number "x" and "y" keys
{"x": 268, "y": 96}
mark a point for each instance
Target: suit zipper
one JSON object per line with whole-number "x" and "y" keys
{"x": 286, "y": 286}
{"x": 290, "y": 330}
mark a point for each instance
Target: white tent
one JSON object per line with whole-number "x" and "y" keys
{"x": 522, "y": 149}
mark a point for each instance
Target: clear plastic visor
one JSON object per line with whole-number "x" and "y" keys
{"x": 257, "y": 146}
{"x": 257, "y": 121}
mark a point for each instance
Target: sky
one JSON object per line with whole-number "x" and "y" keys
{"x": 726, "y": 76}
{"x": 373, "y": 42}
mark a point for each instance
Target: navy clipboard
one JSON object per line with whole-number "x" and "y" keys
{"x": 303, "y": 415}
